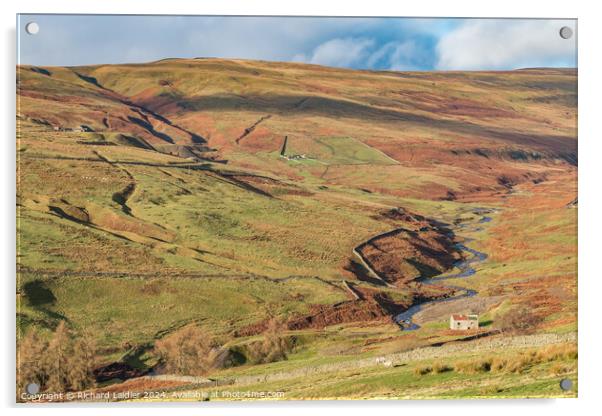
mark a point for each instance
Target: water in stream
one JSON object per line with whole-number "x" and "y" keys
{"x": 404, "y": 319}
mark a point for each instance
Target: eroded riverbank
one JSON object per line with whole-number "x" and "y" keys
{"x": 466, "y": 269}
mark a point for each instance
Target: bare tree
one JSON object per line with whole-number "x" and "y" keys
{"x": 56, "y": 359}
{"x": 188, "y": 351}
{"x": 64, "y": 363}
{"x": 274, "y": 346}
{"x": 29, "y": 356}
{"x": 82, "y": 363}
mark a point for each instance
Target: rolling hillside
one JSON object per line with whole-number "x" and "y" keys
{"x": 226, "y": 193}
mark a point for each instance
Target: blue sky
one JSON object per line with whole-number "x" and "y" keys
{"x": 362, "y": 43}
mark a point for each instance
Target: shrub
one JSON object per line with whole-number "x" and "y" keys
{"x": 559, "y": 369}
{"x": 464, "y": 367}
{"x": 519, "y": 320}
{"x": 474, "y": 366}
{"x": 484, "y": 365}
{"x": 424, "y": 370}
{"x": 498, "y": 364}
{"x": 557, "y": 352}
{"x": 442, "y": 368}
{"x": 520, "y": 364}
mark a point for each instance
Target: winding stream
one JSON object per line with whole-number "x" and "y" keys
{"x": 404, "y": 319}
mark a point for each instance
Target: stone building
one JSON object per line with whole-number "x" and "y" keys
{"x": 463, "y": 322}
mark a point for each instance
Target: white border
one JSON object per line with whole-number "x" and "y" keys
{"x": 590, "y": 181}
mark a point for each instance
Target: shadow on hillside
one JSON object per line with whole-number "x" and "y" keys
{"x": 564, "y": 146}
{"x": 361, "y": 273}
{"x": 41, "y": 298}
{"x": 38, "y": 294}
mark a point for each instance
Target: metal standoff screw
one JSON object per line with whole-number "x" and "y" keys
{"x": 566, "y": 32}
{"x": 566, "y": 384}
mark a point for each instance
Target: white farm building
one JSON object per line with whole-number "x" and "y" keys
{"x": 463, "y": 322}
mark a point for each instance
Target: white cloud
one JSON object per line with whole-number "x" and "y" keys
{"x": 380, "y": 55}
{"x": 506, "y": 44}
{"x": 367, "y": 53}
{"x": 275, "y": 38}
{"x": 343, "y": 52}
{"x": 408, "y": 56}
{"x": 371, "y": 43}
{"x": 397, "y": 56}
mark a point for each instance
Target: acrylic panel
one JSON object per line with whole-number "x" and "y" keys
{"x": 215, "y": 208}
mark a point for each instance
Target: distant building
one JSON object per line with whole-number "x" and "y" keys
{"x": 463, "y": 322}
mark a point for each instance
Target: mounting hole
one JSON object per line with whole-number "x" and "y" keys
{"x": 566, "y": 384}
{"x": 32, "y": 388}
{"x": 32, "y": 28}
{"x": 566, "y": 32}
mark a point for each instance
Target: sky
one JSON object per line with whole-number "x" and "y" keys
{"x": 398, "y": 44}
